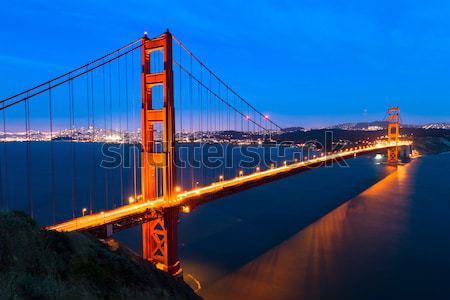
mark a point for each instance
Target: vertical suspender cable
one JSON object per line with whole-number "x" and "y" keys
{"x": 111, "y": 134}
{"x": 120, "y": 128}
{"x": 181, "y": 116}
{"x": 52, "y": 156}
{"x": 105, "y": 128}
{"x": 72, "y": 147}
{"x": 190, "y": 102}
{"x": 133, "y": 121}
{"x": 93, "y": 144}
{"x": 5, "y": 157}
{"x": 127, "y": 132}
{"x": 90, "y": 169}
{"x": 28, "y": 157}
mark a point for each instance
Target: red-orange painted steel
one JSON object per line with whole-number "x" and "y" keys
{"x": 393, "y": 134}
{"x": 160, "y": 236}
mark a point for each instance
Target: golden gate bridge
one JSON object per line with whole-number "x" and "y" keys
{"x": 176, "y": 100}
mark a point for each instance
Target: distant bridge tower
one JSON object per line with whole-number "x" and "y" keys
{"x": 159, "y": 236}
{"x": 393, "y": 133}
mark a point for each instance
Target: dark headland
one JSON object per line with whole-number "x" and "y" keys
{"x": 39, "y": 264}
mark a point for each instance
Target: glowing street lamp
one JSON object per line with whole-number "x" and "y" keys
{"x": 177, "y": 189}
{"x": 83, "y": 211}
{"x": 221, "y": 178}
{"x": 131, "y": 200}
{"x": 241, "y": 173}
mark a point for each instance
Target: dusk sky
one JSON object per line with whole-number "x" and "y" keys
{"x": 305, "y": 63}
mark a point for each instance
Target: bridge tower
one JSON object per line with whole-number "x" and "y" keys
{"x": 393, "y": 133}
{"x": 159, "y": 236}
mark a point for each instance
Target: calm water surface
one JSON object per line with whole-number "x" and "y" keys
{"x": 391, "y": 241}
{"x": 367, "y": 231}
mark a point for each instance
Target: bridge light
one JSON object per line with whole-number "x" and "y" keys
{"x": 130, "y": 200}
{"x": 305, "y": 158}
{"x": 177, "y": 189}
{"x": 186, "y": 209}
{"x": 221, "y": 178}
{"x": 241, "y": 173}
{"x": 285, "y": 163}
{"x": 272, "y": 166}
{"x": 258, "y": 169}
{"x": 266, "y": 117}
{"x": 83, "y": 211}
{"x": 247, "y": 118}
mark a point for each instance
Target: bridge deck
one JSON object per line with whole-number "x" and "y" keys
{"x": 136, "y": 211}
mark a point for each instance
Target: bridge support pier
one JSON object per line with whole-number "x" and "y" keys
{"x": 404, "y": 153}
{"x": 160, "y": 241}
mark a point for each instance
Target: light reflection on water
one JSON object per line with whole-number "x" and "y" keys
{"x": 388, "y": 242}
{"x": 218, "y": 238}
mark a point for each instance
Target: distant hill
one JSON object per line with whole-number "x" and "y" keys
{"x": 374, "y": 125}
{"x": 292, "y": 129}
{"x": 436, "y": 126}
{"x": 426, "y": 140}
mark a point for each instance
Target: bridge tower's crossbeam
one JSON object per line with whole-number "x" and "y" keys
{"x": 393, "y": 134}
{"x": 160, "y": 236}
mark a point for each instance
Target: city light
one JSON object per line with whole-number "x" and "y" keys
{"x": 186, "y": 209}
{"x": 83, "y": 211}
{"x": 131, "y": 200}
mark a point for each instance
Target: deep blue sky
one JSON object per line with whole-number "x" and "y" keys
{"x": 309, "y": 63}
